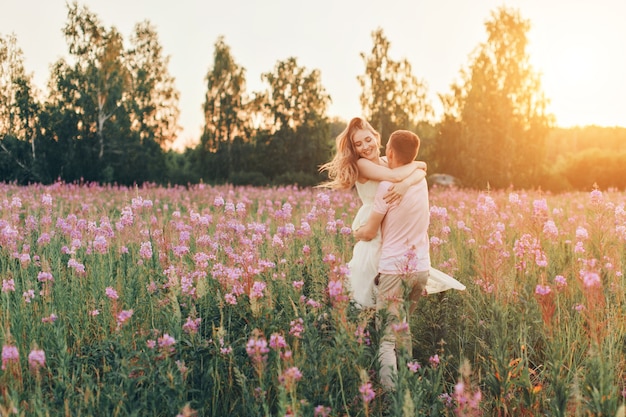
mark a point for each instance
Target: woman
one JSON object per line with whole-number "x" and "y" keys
{"x": 358, "y": 163}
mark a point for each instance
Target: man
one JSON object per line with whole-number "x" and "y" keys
{"x": 404, "y": 264}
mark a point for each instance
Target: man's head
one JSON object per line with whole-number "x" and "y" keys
{"x": 402, "y": 148}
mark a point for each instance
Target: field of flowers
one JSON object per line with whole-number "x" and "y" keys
{"x": 228, "y": 301}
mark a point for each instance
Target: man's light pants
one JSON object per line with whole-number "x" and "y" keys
{"x": 390, "y": 297}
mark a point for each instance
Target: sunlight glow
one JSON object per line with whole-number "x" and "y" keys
{"x": 575, "y": 79}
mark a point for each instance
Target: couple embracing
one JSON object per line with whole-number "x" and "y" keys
{"x": 391, "y": 259}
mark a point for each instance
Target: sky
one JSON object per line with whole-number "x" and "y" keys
{"x": 577, "y": 46}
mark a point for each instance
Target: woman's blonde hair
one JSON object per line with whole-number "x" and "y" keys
{"x": 343, "y": 171}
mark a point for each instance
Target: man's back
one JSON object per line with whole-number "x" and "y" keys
{"x": 405, "y": 231}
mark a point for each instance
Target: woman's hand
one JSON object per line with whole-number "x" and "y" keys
{"x": 421, "y": 165}
{"x": 396, "y": 192}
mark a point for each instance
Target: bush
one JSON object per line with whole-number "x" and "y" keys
{"x": 248, "y": 178}
{"x": 297, "y": 178}
{"x": 594, "y": 167}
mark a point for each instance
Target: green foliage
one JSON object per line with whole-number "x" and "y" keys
{"x": 495, "y": 122}
{"x": 593, "y": 168}
{"x": 392, "y": 97}
{"x": 112, "y": 111}
{"x": 225, "y": 106}
{"x": 300, "y": 178}
{"x": 248, "y": 178}
{"x": 562, "y": 142}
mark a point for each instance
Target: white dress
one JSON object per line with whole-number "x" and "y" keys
{"x": 365, "y": 256}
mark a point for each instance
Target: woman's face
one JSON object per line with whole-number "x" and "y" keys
{"x": 365, "y": 144}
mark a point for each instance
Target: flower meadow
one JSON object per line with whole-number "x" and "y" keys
{"x": 231, "y": 301}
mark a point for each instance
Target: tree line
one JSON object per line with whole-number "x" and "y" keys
{"x": 110, "y": 114}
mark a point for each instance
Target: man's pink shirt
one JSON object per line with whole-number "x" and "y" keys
{"x": 405, "y": 226}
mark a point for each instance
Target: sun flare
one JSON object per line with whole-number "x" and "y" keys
{"x": 573, "y": 80}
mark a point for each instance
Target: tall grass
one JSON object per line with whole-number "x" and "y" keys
{"x": 222, "y": 301}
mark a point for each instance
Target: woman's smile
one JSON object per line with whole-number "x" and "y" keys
{"x": 365, "y": 144}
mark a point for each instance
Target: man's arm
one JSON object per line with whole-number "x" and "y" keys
{"x": 370, "y": 228}
{"x": 373, "y": 171}
{"x": 398, "y": 189}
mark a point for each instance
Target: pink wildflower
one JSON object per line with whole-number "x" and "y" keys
{"x": 439, "y": 212}
{"x": 36, "y": 359}
{"x": 321, "y": 411}
{"x": 180, "y": 250}
{"x": 514, "y": 198}
{"x": 581, "y": 233}
{"x": 345, "y": 230}
{"x": 46, "y": 200}
{"x": 29, "y": 295}
{"x": 230, "y": 299}
{"x": 413, "y": 366}
{"x": 9, "y": 354}
{"x": 367, "y": 392}
{"x": 540, "y": 207}
{"x": 560, "y": 281}
{"x": 218, "y": 201}
{"x": 145, "y": 251}
{"x": 111, "y": 293}
{"x": 591, "y": 279}
{"x": 550, "y": 229}
{"x": 596, "y": 196}
{"x": 152, "y": 287}
{"x": 402, "y": 327}
{"x": 277, "y": 341}
{"x": 468, "y": 403}
{"x": 362, "y": 335}
{"x": 100, "y": 244}
{"x": 313, "y": 303}
{"x": 50, "y": 319}
{"x": 434, "y": 360}
{"x": 257, "y": 289}
{"x": 542, "y": 289}
{"x": 257, "y": 349}
{"x": 277, "y": 242}
{"x": 579, "y": 247}
{"x": 305, "y": 229}
{"x": 8, "y": 285}
{"x": 335, "y": 289}
{"x": 77, "y": 266}
{"x": 342, "y": 270}
{"x": 45, "y": 276}
{"x": 191, "y": 325}
{"x": 224, "y": 350}
{"x": 297, "y": 327}
{"x": 43, "y": 239}
{"x": 24, "y": 258}
{"x": 123, "y": 317}
{"x": 166, "y": 341}
{"x": 289, "y": 377}
{"x": 435, "y": 241}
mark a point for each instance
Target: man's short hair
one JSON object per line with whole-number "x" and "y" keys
{"x": 405, "y": 144}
